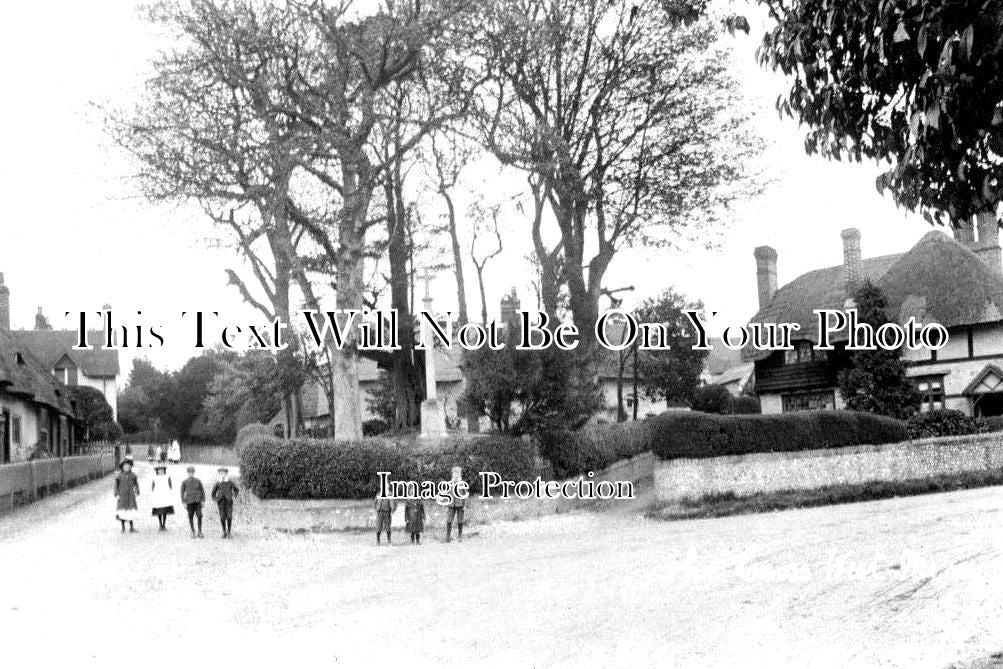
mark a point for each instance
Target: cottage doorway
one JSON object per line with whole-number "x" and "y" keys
{"x": 986, "y": 392}
{"x": 4, "y": 437}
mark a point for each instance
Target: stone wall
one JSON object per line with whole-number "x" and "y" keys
{"x": 744, "y": 475}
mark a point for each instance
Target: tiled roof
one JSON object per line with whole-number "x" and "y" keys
{"x": 48, "y": 346}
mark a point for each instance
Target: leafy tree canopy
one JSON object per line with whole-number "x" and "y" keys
{"x": 918, "y": 84}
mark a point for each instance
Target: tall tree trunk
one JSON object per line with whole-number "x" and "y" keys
{"x": 405, "y": 383}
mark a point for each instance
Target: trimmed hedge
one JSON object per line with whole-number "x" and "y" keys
{"x": 692, "y": 434}
{"x": 943, "y": 423}
{"x": 696, "y": 435}
{"x": 325, "y": 469}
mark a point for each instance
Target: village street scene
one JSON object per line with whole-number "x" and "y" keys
{"x": 502, "y": 332}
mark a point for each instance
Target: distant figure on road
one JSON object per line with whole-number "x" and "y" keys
{"x": 161, "y": 456}
{"x": 150, "y": 453}
{"x": 223, "y": 493}
{"x": 126, "y": 494}
{"x": 414, "y": 518}
{"x": 456, "y": 503}
{"x": 192, "y": 496}
{"x": 162, "y": 493}
{"x": 174, "y": 452}
{"x": 385, "y": 507}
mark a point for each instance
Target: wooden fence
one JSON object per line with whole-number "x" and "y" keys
{"x": 25, "y": 482}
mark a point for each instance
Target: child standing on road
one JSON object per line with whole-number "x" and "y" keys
{"x": 126, "y": 494}
{"x": 193, "y": 496}
{"x": 414, "y": 519}
{"x": 223, "y": 493}
{"x": 385, "y": 507}
{"x": 456, "y": 504}
{"x": 162, "y": 494}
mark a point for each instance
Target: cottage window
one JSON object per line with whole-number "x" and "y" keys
{"x": 931, "y": 390}
{"x": 803, "y": 351}
{"x": 15, "y": 429}
{"x": 823, "y": 399}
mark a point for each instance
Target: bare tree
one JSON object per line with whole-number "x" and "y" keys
{"x": 484, "y": 217}
{"x": 628, "y": 119}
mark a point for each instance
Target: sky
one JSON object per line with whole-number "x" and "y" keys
{"x": 75, "y": 233}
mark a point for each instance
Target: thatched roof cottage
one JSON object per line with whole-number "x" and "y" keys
{"x": 957, "y": 282}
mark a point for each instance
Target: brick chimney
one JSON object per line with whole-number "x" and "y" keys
{"x": 852, "y": 260}
{"x": 988, "y": 245}
{"x": 766, "y": 273}
{"x": 510, "y": 306}
{"x": 4, "y": 305}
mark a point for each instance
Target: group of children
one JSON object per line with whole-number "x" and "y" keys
{"x": 192, "y": 496}
{"x": 414, "y": 513}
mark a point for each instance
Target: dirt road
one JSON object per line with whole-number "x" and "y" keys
{"x": 914, "y": 582}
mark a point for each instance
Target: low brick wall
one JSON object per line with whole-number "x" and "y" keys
{"x": 342, "y": 514}
{"x": 744, "y": 475}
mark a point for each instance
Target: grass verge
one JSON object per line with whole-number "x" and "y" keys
{"x": 730, "y": 504}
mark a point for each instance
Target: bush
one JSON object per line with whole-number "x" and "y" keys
{"x": 375, "y": 427}
{"x": 306, "y": 468}
{"x": 992, "y": 424}
{"x": 698, "y": 435}
{"x": 746, "y": 404}
{"x": 712, "y": 398}
{"x": 942, "y": 423}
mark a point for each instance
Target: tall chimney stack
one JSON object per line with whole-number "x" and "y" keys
{"x": 852, "y": 260}
{"x": 4, "y": 305}
{"x": 766, "y": 273}
{"x": 988, "y": 246}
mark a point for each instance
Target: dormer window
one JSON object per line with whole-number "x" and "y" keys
{"x": 803, "y": 351}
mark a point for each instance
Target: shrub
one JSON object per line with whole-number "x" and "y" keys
{"x": 306, "y": 468}
{"x": 699, "y": 435}
{"x": 374, "y": 427}
{"x": 712, "y": 398}
{"x": 942, "y": 423}
{"x": 746, "y": 404}
{"x": 992, "y": 424}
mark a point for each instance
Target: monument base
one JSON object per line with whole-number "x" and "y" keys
{"x": 433, "y": 420}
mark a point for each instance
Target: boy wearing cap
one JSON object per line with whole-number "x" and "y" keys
{"x": 193, "y": 496}
{"x": 223, "y": 493}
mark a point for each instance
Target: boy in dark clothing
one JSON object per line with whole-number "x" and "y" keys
{"x": 223, "y": 493}
{"x": 193, "y": 496}
{"x": 385, "y": 507}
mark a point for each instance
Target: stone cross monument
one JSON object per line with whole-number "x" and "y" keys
{"x": 433, "y": 416}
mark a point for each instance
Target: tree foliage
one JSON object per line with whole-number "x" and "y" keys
{"x": 919, "y": 84}
{"x": 671, "y": 375}
{"x": 876, "y": 380}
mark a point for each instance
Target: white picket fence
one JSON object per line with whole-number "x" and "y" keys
{"x": 24, "y": 482}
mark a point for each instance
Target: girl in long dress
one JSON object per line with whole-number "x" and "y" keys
{"x": 162, "y": 494}
{"x": 126, "y": 494}
{"x": 174, "y": 452}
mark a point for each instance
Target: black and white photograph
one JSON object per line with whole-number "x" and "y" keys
{"x": 502, "y": 333}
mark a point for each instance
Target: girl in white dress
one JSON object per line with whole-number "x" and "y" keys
{"x": 162, "y": 494}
